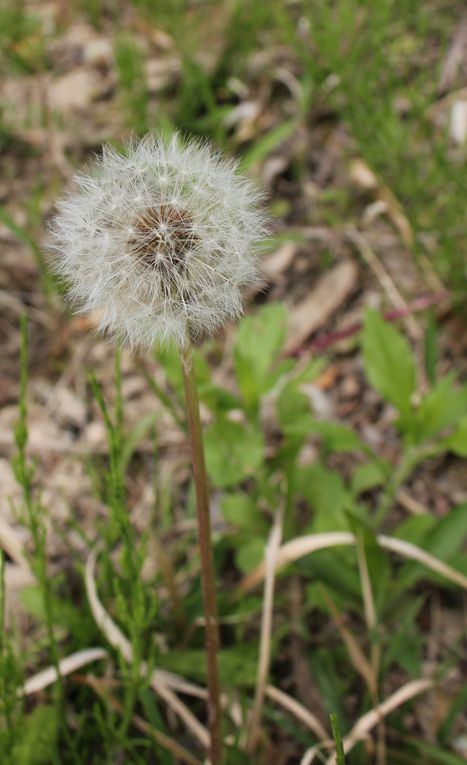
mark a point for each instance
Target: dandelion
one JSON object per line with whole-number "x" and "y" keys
{"x": 161, "y": 243}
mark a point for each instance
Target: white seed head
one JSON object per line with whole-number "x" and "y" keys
{"x": 160, "y": 242}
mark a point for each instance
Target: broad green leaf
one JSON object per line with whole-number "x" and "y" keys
{"x": 337, "y": 570}
{"x": 449, "y": 534}
{"x": 294, "y": 410}
{"x": 457, "y": 442}
{"x": 443, "y": 538}
{"x": 233, "y": 452}
{"x": 258, "y": 343}
{"x": 388, "y": 361}
{"x": 336, "y": 437}
{"x": 368, "y": 476}
{"x": 217, "y": 398}
{"x": 250, "y": 554}
{"x": 404, "y": 642}
{"x": 240, "y": 510}
{"x": 441, "y": 408}
{"x": 327, "y": 495}
{"x": 236, "y": 666}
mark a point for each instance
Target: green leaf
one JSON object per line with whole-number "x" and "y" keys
{"x": 250, "y": 555}
{"x": 336, "y": 437}
{"x": 389, "y": 364}
{"x": 38, "y": 738}
{"x": 240, "y": 510}
{"x": 217, "y": 398}
{"x": 262, "y": 147}
{"x": 233, "y": 452}
{"x": 258, "y": 342}
{"x": 404, "y": 642}
{"x": 442, "y": 538}
{"x": 236, "y": 667}
{"x": 441, "y": 408}
{"x": 368, "y": 476}
{"x": 294, "y": 410}
{"x": 336, "y": 734}
{"x": 376, "y": 557}
{"x": 327, "y": 495}
{"x": 457, "y": 442}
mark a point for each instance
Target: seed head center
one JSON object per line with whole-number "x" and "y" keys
{"x": 162, "y": 237}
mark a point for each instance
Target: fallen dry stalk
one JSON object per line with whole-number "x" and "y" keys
{"x": 301, "y": 546}
{"x": 373, "y": 717}
{"x": 66, "y": 666}
{"x": 160, "y": 681}
{"x": 270, "y": 558}
{"x": 297, "y": 710}
{"x": 99, "y": 686}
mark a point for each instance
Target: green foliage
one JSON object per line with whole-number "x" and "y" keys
{"x": 39, "y": 737}
{"x": 336, "y": 734}
{"x": 389, "y": 364}
{"x": 384, "y": 84}
{"x": 22, "y": 48}
{"x": 370, "y": 68}
{"x": 233, "y": 452}
{"x": 258, "y": 343}
{"x": 130, "y": 61}
{"x": 251, "y": 480}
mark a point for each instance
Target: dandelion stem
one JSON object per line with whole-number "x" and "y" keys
{"x": 205, "y": 546}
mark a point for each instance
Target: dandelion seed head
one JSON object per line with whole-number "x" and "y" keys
{"x": 161, "y": 241}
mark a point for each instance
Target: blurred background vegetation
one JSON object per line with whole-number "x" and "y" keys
{"x": 353, "y": 116}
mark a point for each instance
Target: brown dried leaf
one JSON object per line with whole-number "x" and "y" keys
{"x": 327, "y": 296}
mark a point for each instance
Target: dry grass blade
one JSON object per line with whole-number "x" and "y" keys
{"x": 270, "y": 558}
{"x": 297, "y": 710}
{"x": 373, "y": 717}
{"x": 300, "y": 546}
{"x": 160, "y": 680}
{"x": 309, "y": 755}
{"x": 178, "y": 751}
{"x": 370, "y": 719}
{"x": 293, "y": 550}
{"x": 364, "y": 176}
{"x": 408, "y": 550}
{"x": 386, "y": 281}
{"x": 66, "y": 666}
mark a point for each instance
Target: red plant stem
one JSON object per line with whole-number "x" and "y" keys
{"x": 195, "y": 435}
{"x": 419, "y": 304}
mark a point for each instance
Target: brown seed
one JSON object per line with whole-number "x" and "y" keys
{"x": 162, "y": 237}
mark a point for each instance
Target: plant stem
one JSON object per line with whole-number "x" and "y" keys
{"x": 195, "y": 436}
